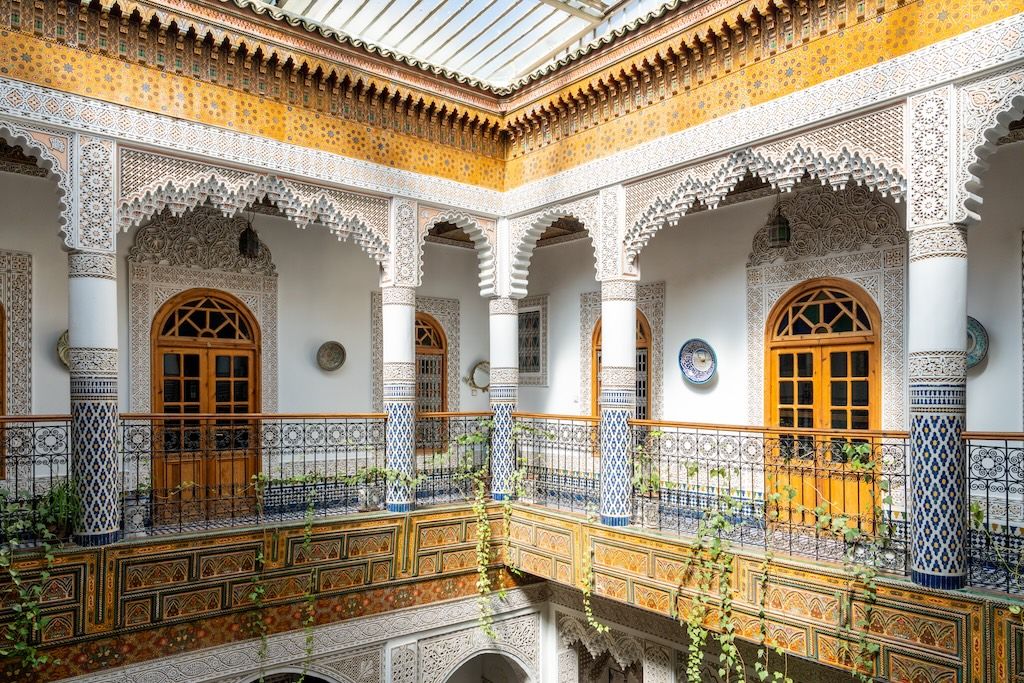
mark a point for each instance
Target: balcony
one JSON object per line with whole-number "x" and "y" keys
{"x": 825, "y": 496}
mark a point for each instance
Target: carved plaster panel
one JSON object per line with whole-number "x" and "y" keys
{"x": 151, "y": 183}
{"x": 447, "y": 314}
{"x": 54, "y": 151}
{"x": 650, "y": 300}
{"x": 16, "y": 299}
{"x": 334, "y": 645}
{"x": 850, "y": 234}
{"x": 995, "y": 44}
{"x": 986, "y": 108}
{"x": 517, "y": 637}
{"x": 867, "y": 150}
{"x": 157, "y": 271}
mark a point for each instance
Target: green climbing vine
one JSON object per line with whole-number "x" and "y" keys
{"x": 31, "y": 527}
{"x": 711, "y": 565}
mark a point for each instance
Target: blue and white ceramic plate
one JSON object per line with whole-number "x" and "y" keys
{"x": 977, "y": 342}
{"x": 697, "y": 361}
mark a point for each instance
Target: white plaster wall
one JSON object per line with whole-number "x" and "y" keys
{"x": 451, "y": 273}
{"x": 703, "y": 264}
{"x": 324, "y": 294}
{"x": 994, "y": 295}
{"x": 29, "y": 223}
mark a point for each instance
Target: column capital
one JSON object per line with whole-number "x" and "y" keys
{"x": 503, "y": 305}
{"x": 98, "y": 264}
{"x": 398, "y": 296}
{"x": 937, "y": 241}
{"x": 618, "y": 289}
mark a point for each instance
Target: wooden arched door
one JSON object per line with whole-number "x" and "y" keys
{"x": 644, "y": 346}
{"x": 206, "y": 364}
{"x": 823, "y": 380}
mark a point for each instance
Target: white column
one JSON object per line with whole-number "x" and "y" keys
{"x": 936, "y": 340}
{"x": 618, "y": 397}
{"x": 398, "y": 318}
{"x": 504, "y": 392}
{"x": 92, "y": 338}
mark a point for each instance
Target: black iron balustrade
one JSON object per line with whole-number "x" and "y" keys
{"x": 192, "y": 472}
{"x": 36, "y": 487}
{"x": 832, "y": 496}
{"x": 452, "y": 456}
{"x": 995, "y": 488}
{"x": 560, "y": 458}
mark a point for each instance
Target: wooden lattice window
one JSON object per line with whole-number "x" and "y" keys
{"x": 644, "y": 344}
{"x": 431, "y": 365}
{"x": 207, "y": 316}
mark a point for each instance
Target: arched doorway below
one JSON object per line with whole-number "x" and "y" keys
{"x": 206, "y": 366}
{"x": 489, "y": 667}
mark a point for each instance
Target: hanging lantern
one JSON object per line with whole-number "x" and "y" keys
{"x": 779, "y": 230}
{"x": 249, "y": 242}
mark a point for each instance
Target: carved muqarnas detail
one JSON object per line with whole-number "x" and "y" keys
{"x": 202, "y": 239}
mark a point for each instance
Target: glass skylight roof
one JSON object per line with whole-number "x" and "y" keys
{"x": 497, "y": 43}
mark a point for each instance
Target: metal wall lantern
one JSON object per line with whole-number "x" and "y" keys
{"x": 779, "y": 230}
{"x": 249, "y": 241}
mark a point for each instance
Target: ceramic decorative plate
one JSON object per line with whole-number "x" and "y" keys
{"x": 977, "y": 342}
{"x": 330, "y": 356}
{"x": 697, "y": 361}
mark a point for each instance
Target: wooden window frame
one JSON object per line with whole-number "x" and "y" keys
{"x": 772, "y": 343}
{"x": 431, "y": 321}
{"x": 158, "y": 341}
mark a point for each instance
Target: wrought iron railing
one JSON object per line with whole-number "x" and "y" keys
{"x": 995, "y": 486}
{"x": 191, "y": 472}
{"x": 35, "y": 483}
{"x": 832, "y": 496}
{"x": 452, "y": 456}
{"x": 560, "y": 459}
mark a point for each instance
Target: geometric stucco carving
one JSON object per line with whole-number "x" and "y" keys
{"x": 172, "y": 254}
{"x": 54, "y": 151}
{"x": 986, "y": 107}
{"x": 867, "y": 150}
{"x": 524, "y": 231}
{"x": 16, "y": 299}
{"x": 851, "y": 234}
{"x": 150, "y": 183}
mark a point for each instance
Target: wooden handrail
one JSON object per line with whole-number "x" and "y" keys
{"x": 253, "y": 416}
{"x": 699, "y": 426}
{"x": 439, "y": 415}
{"x": 545, "y": 416}
{"x": 993, "y": 436}
{"x": 35, "y": 418}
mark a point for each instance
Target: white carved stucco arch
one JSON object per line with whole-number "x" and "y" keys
{"x": 499, "y": 649}
{"x": 306, "y": 669}
{"x": 986, "y": 106}
{"x": 54, "y": 151}
{"x": 524, "y": 232}
{"x": 483, "y": 233}
{"x": 150, "y": 183}
{"x": 832, "y": 160}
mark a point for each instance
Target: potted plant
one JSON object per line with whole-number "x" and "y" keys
{"x": 60, "y": 508}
